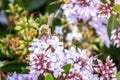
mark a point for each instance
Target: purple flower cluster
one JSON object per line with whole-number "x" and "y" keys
{"x": 99, "y": 24}
{"x": 49, "y": 56}
{"x": 15, "y": 76}
{"x": 107, "y": 70}
{"x": 80, "y": 10}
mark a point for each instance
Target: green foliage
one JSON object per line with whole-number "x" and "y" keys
{"x": 49, "y": 77}
{"x": 42, "y": 19}
{"x": 112, "y": 1}
{"x": 93, "y": 46}
{"x": 67, "y": 67}
{"x": 3, "y": 32}
{"x": 117, "y": 8}
{"x": 14, "y": 9}
{"x": 112, "y": 24}
{"x": 118, "y": 76}
{"x": 14, "y": 66}
{"x": 5, "y": 52}
{"x": 103, "y": 1}
{"x": 36, "y": 4}
{"x": 56, "y": 22}
{"x": 53, "y": 8}
{"x": 5, "y": 4}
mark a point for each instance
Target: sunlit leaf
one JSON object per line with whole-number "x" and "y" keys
{"x": 118, "y": 76}
{"x": 49, "y": 77}
{"x": 117, "y": 8}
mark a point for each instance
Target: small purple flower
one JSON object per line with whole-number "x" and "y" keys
{"x": 107, "y": 71}
{"x": 115, "y": 36}
{"x": 81, "y": 65}
{"x": 39, "y": 62}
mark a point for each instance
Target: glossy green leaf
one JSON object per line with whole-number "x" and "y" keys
{"x": 32, "y": 5}
{"x": 49, "y": 77}
{"x": 117, "y": 8}
{"x": 14, "y": 66}
{"x": 53, "y": 8}
{"x": 118, "y": 76}
{"x": 66, "y": 68}
{"x": 112, "y": 24}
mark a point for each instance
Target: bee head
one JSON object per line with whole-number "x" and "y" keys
{"x": 44, "y": 31}
{"x": 67, "y": 1}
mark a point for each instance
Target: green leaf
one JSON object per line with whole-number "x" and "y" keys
{"x": 103, "y": 1}
{"x": 49, "y": 77}
{"x": 67, "y": 67}
{"x": 20, "y": 2}
{"x": 112, "y": 1}
{"x": 112, "y": 24}
{"x": 117, "y": 8}
{"x": 5, "y": 4}
{"x": 118, "y": 76}
{"x": 53, "y": 8}
{"x": 14, "y": 66}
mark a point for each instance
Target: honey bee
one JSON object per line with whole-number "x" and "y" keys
{"x": 44, "y": 31}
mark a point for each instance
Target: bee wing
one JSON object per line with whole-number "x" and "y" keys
{"x": 56, "y": 2}
{"x": 50, "y": 19}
